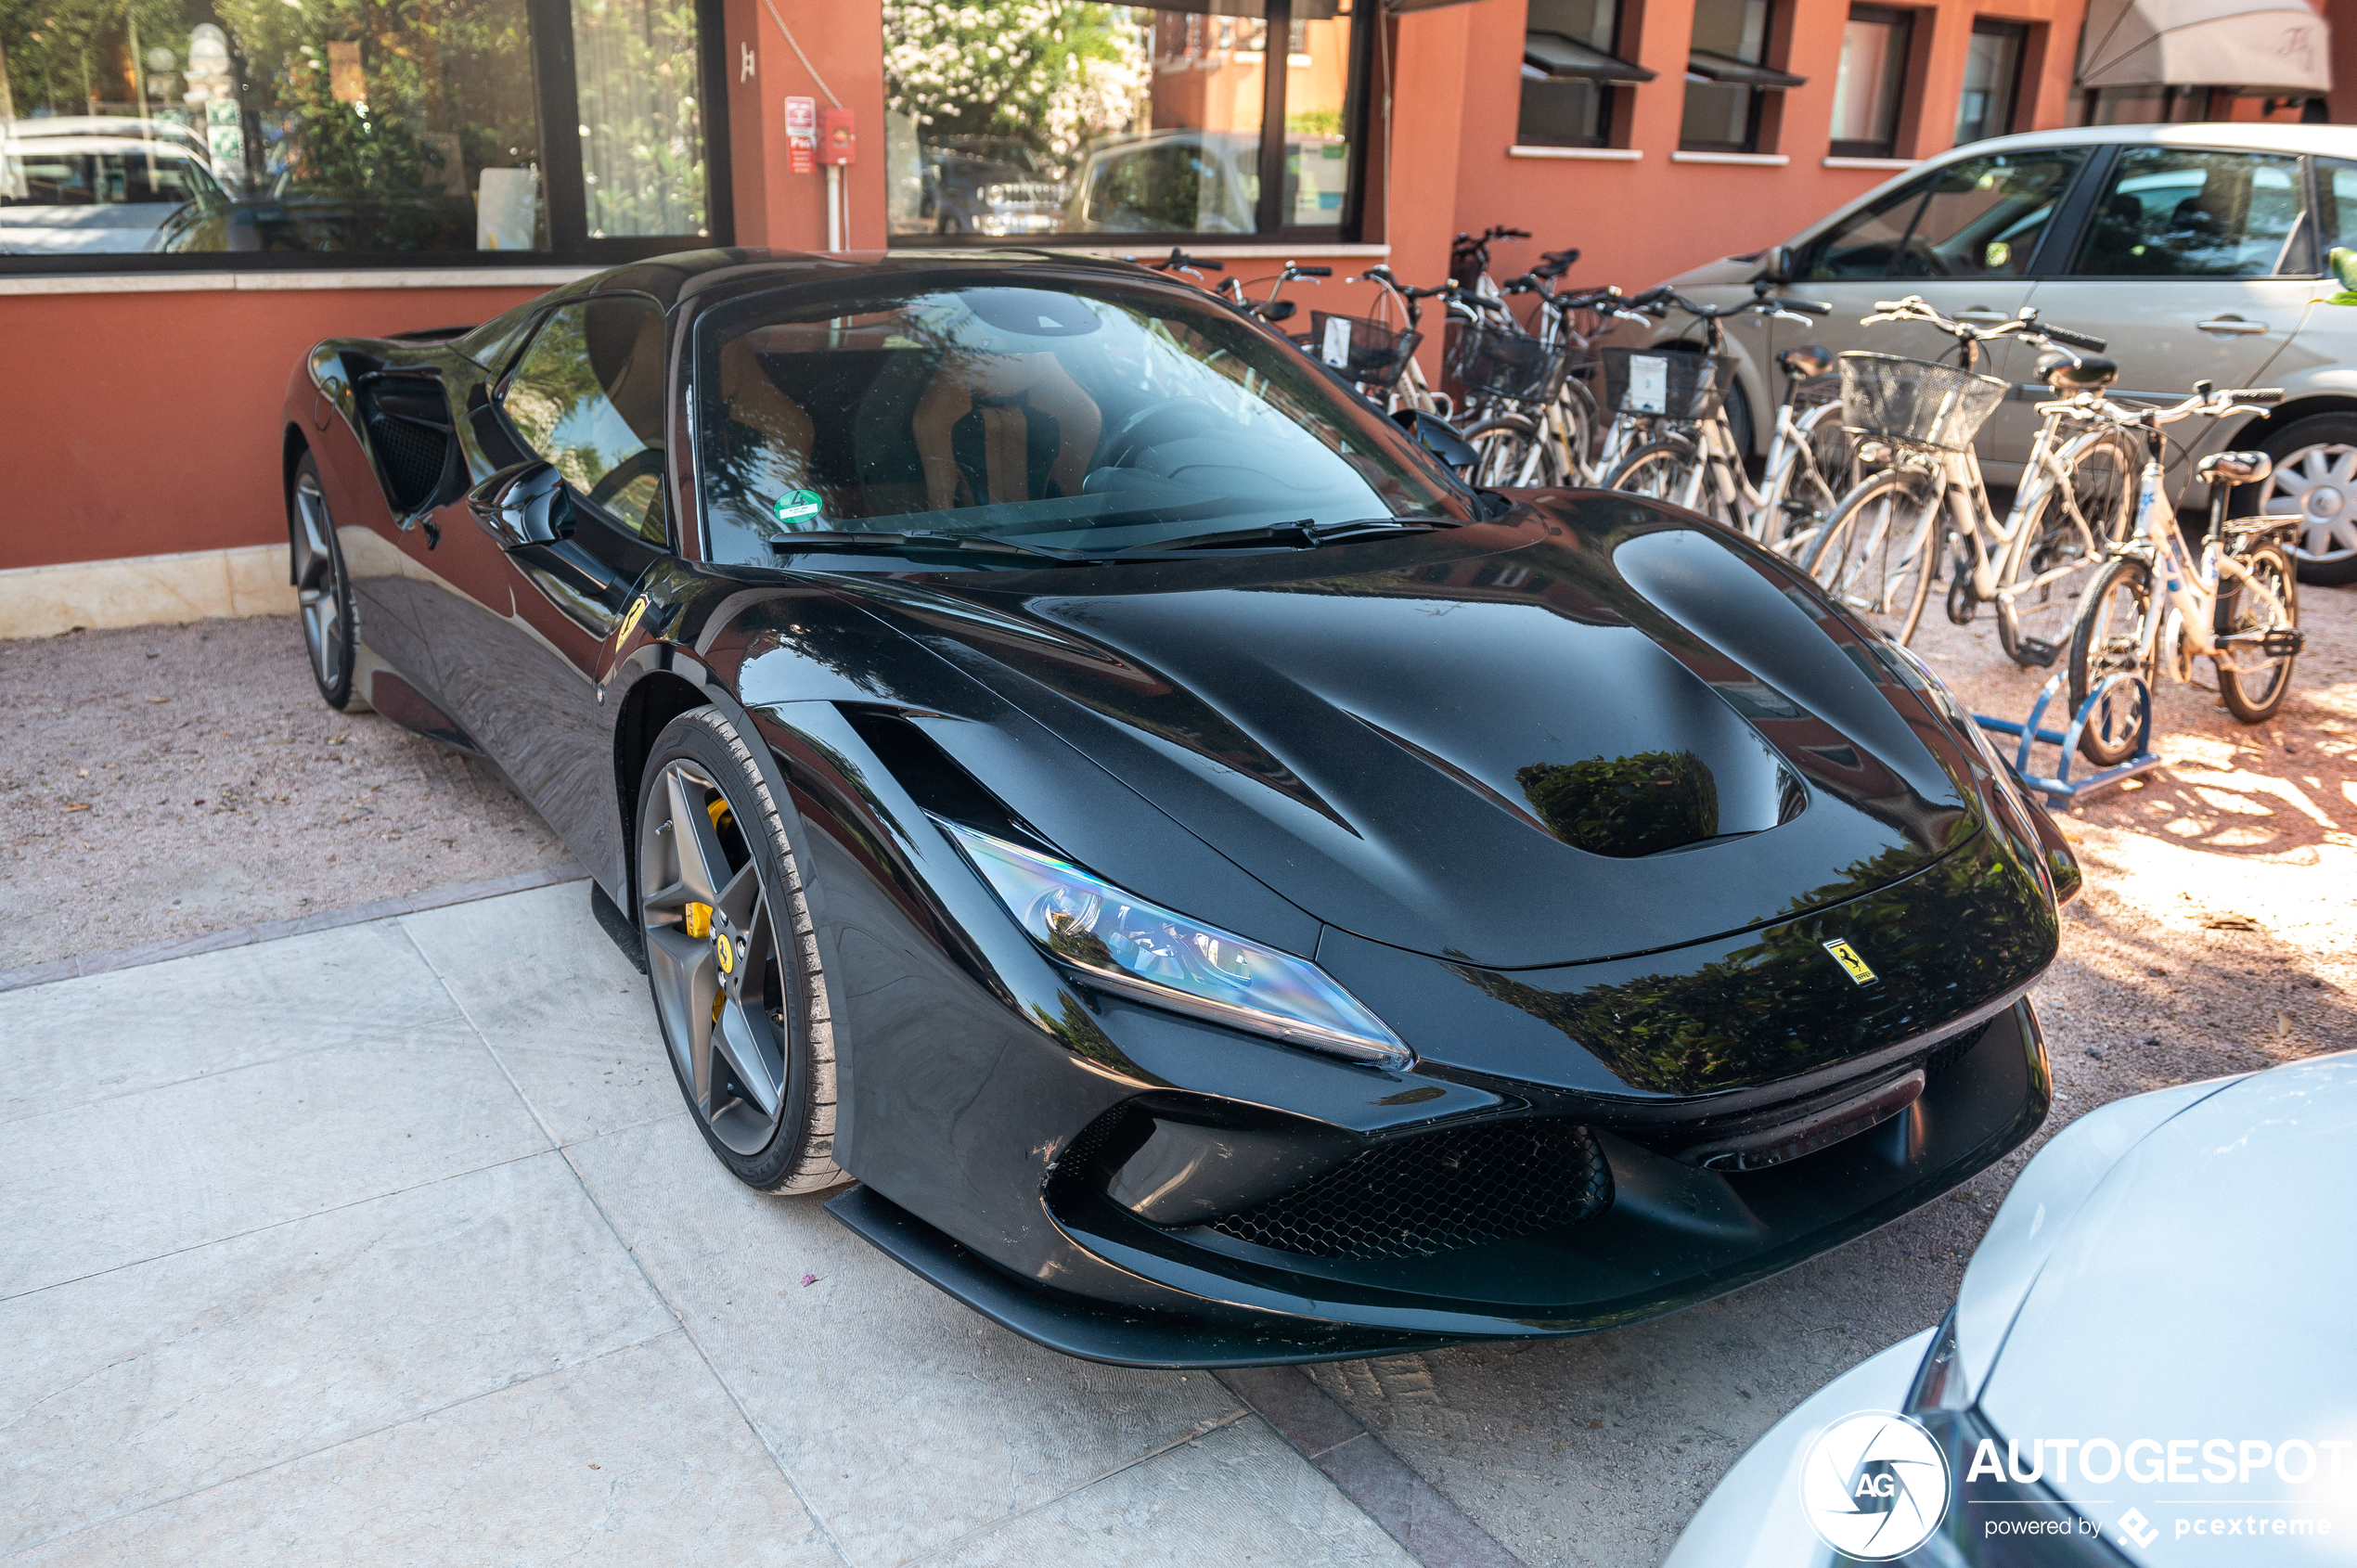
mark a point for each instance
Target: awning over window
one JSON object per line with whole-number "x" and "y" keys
{"x": 1551, "y": 53}
{"x": 1733, "y": 72}
{"x": 2277, "y": 44}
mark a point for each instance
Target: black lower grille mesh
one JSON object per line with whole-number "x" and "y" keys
{"x": 1948, "y": 1052}
{"x": 1436, "y": 1193}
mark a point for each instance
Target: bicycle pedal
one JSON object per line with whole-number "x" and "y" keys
{"x": 2033, "y": 650}
{"x": 1962, "y": 606}
{"x": 2284, "y": 642}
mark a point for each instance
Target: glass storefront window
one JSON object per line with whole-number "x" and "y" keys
{"x": 1723, "y": 107}
{"x": 1009, "y": 118}
{"x": 351, "y": 127}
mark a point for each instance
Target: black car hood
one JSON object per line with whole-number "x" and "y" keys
{"x": 1590, "y": 728}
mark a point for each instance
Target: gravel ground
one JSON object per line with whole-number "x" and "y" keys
{"x": 2215, "y": 936}
{"x": 158, "y": 782}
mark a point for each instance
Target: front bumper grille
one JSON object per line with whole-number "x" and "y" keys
{"x": 1438, "y": 1192}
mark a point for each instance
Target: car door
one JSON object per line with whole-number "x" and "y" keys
{"x": 523, "y": 633}
{"x": 2194, "y": 263}
{"x": 1966, "y": 236}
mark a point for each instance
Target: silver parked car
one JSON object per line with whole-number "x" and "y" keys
{"x": 2197, "y": 251}
{"x": 2148, "y": 1362}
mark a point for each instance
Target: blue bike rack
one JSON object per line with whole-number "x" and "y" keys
{"x": 2058, "y": 786}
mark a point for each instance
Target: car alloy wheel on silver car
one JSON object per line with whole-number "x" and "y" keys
{"x": 2320, "y": 483}
{"x": 731, "y": 958}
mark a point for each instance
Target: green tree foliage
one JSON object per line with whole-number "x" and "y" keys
{"x": 1625, "y": 805}
{"x": 1051, "y": 73}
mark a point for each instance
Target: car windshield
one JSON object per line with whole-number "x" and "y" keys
{"x": 1088, "y": 415}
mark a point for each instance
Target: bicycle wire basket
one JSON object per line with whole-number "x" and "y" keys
{"x": 1490, "y": 361}
{"x": 1366, "y": 352}
{"x": 1914, "y": 401}
{"x": 1672, "y": 383}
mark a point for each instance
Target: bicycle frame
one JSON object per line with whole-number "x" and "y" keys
{"x": 2189, "y": 588}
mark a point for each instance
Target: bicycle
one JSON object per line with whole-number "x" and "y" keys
{"x": 1531, "y": 439}
{"x": 1671, "y": 420}
{"x": 1915, "y": 420}
{"x": 2239, "y": 603}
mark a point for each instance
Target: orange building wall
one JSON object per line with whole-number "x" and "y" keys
{"x": 1637, "y": 223}
{"x": 148, "y": 423}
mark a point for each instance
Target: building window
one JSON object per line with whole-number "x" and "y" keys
{"x": 1728, "y": 77}
{"x": 1571, "y": 76}
{"x": 1866, "y": 88}
{"x": 166, "y": 133}
{"x": 1014, "y": 118}
{"x": 1992, "y": 78}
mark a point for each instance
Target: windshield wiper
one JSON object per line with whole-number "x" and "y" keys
{"x": 955, "y": 544}
{"x": 1304, "y": 534}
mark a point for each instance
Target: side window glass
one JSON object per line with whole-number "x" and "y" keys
{"x": 1868, "y": 244}
{"x": 2186, "y": 213}
{"x": 2337, "y": 194}
{"x": 1978, "y": 218}
{"x": 589, "y": 396}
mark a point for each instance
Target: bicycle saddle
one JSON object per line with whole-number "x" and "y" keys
{"x": 1808, "y": 359}
{"x": 1555, "y": 263}
{"x": 2235, "y": 467}
{"x": 2055, "y": 369}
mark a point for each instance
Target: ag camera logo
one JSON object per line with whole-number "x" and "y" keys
{"x": 1875, "y": 1486}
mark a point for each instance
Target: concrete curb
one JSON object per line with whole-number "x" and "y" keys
{"x": 326, "y": 920}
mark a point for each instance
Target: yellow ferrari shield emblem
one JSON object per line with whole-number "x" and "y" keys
{"x": 630, "y": 622}
{"x": 728, "y": 952}
{"x": 1851, "y": 964}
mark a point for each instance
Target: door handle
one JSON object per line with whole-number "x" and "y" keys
{"x": 1983, "y": 313}
{"x": 2232, "y": 325}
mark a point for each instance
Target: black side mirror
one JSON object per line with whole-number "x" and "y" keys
{"x": 524, "y": 505}
{"x": 1439, "y": 437}
{"x": 1776, "y": 265}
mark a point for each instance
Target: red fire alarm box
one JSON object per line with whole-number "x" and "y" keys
{"x": 838, "y": 135}
{"x": 802, "y": 134}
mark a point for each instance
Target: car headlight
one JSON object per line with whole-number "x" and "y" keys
{"x": 1126, "y": 945}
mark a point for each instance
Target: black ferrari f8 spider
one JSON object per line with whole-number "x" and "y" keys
{"x": 1224, "y": 890}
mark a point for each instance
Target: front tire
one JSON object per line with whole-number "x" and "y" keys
{"x": 732, "y": 957}
{"x": 323, "y": 590}
{"x": 2109, "y": 638}
{"x": 2251, "y": 684}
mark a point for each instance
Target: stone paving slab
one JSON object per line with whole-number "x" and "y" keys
{"x": 561, "y": 1007}
{"x": 292, "y": 1270}
{"x": 633, "y": 1459}
{"x": 151, "y": 1382}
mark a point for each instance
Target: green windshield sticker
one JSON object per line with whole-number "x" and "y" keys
{"x": 798, "y": 506}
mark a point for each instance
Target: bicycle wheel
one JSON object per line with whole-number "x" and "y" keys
{"x": 1661, "y": 469}
{"x": 2063, "y": 542}
{"x": 1813, "y": 486}
{"x": 2109, "y": 638}
{"x": 1507, "y": 445}
{"x": 1878, "y": 553}
{"x": 2251, "y": 681}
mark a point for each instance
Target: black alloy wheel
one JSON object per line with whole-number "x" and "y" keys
{"x": 323, "y": 593}
{"x": 732, "y": 957}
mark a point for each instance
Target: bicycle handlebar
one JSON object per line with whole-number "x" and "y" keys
{"x": 1312, "y": 272}
{"x": 1179, "y": 261}
{"x": 2087, "y": 341}
{"x": 2266, "y": 397}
